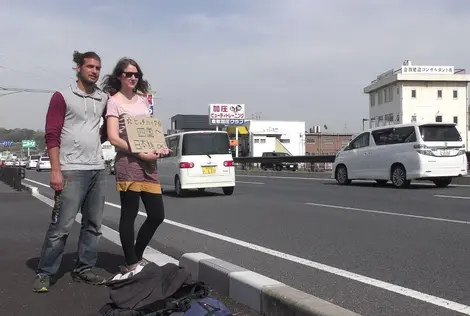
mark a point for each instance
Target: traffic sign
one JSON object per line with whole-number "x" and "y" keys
{"x": 29, "y": 144}
{"x": 6, "y": 143}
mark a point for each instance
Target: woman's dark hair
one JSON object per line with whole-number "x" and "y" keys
{"x": 79, "y": 58}
{"x": 112, "y": 84}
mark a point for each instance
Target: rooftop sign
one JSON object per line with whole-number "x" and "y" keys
{"x": 428, "y": 70}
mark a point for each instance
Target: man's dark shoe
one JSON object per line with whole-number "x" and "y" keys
{"x": 42, "y": 283}
{"x": 88, "y": 276}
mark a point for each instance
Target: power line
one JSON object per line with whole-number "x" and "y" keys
{"x": 19, "y": 90}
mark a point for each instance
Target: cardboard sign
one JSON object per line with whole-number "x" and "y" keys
{"x": 145, "y": 133}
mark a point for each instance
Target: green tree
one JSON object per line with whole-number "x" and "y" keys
{"x": 17, "y": 135}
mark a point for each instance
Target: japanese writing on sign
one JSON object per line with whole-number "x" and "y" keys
{"x": 227, "y": 114}
{"x": 430, "y": 70}
{"x": 144, "y": 133}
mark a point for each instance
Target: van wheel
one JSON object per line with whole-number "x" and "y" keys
{"x": 341, "y": 175}
{"x": 179, "y": 191}
{"x": 278, "y": 167}
{"x": 398, "y": 175}
{"x": 442, "y": 182}
{"x": 228, "y": 190}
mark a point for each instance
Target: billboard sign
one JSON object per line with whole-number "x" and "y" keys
{"x": 428, "y": 70}
{"x": 227, "y": 114}
{"x": 29, "y": 143}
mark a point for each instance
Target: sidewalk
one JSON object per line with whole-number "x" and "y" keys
{"x": 23, "y": 223}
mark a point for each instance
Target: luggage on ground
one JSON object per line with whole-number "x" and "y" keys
{"x": 160, "y": 291}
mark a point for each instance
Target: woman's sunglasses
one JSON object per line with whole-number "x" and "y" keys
{"x": 130, "y": 74}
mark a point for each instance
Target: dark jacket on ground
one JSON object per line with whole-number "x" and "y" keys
{"x": 153, "y": 283}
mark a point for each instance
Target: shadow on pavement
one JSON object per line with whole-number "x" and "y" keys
{"x": 106, "y": 261}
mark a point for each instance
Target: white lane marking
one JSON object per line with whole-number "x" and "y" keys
{"x": 249, "y": 182}
{"x": 150, "y": 254}
{"x": 389, "y": 213}
{"x": 330, "y": 179}
{"x": 452, "y": 197}
{"x": 39, "y": 183}
{"x": 434, "y": 300}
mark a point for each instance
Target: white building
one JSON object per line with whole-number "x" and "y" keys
{"x": 278, "y": 136}
{"x": 421, "y": 94}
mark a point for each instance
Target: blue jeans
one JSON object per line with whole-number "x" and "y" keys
{"x": 86, "y": 190}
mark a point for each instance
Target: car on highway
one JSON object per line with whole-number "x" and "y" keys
{"x": 278, "y": 166}
{"x": 44, "y": 163}
{"x": 112, "y": 170}
{"x": 32, "y": 161}
{"x": 402, "y": 153}
{"x": 199, "y": 160}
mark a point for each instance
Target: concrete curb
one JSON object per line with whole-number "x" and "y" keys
{"x": 260, "y": 293}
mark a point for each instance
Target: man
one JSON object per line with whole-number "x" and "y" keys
{"x": 74, "y": 147}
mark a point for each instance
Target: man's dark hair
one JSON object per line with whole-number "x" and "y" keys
{"x": 79, "y": 58}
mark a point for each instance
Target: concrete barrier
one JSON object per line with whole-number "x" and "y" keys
{"x": 262, "y": 294}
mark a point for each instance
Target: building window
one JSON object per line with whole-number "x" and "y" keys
{"x": 262, "y": 141}
{"x": 372, "y": 99}
{"x": 386, "y": 95}
{"x": 256, "y": 140}
{"x": 390, "y": 94}
{"x": 456, "y": 120}
{"x": 398, "y": 117}
{"x": 398, "y": 90}
{"x": 455, "y": 94}
{"x": 381, "y": 100}
{"x": 310, "y": 140}
{"x": 328, "y": 140}
{"x": 285, "y": 141}
{"x": 413, "y": 118}
{"x": 439, "y": 94}
{"x": 413, "y": 93}
{"x": 438, "y": 118}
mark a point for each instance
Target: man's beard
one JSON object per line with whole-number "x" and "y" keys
{"x": 85, "y": 81}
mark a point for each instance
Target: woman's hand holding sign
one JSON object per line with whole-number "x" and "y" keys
{"x": 152, "y": 156}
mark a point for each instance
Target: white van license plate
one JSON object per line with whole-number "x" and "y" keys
{"x": 445, "y": 152}
{"x": 208, "y": 170}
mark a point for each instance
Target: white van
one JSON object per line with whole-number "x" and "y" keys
{"x": 200, "y": 160}
{"x": 401, "y": 153}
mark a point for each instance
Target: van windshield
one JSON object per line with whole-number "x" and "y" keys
{"x": 439, "y": 133}
{"x": 205, "y": 144}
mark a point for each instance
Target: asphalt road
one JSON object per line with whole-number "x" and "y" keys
{"x": 374, "y": 250}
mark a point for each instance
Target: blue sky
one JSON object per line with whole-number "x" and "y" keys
{"x": 288, "y": 59}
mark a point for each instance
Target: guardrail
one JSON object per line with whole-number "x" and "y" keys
{"x": 305, "y": 163}
{"x": 12, "y": 176}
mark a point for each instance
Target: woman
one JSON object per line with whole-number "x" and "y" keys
{"x": 136, "y": 174}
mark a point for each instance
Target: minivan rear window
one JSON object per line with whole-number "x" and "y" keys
{"x": 205, "y": 143}
{"x": 45, "y": 159}
{"x": 439, "y": 133}
{"x": 35, "y": 157}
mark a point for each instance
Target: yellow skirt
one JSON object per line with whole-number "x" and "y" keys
{"x": 139, "y": 187}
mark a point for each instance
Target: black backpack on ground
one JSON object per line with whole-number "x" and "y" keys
{"x": 161, "y": 291}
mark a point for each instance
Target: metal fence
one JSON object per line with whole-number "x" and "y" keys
{"x": 12, "y": 176}
{"x": 301, "y": 163}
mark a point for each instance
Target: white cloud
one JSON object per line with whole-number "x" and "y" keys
{"x": 296, "y": 60}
